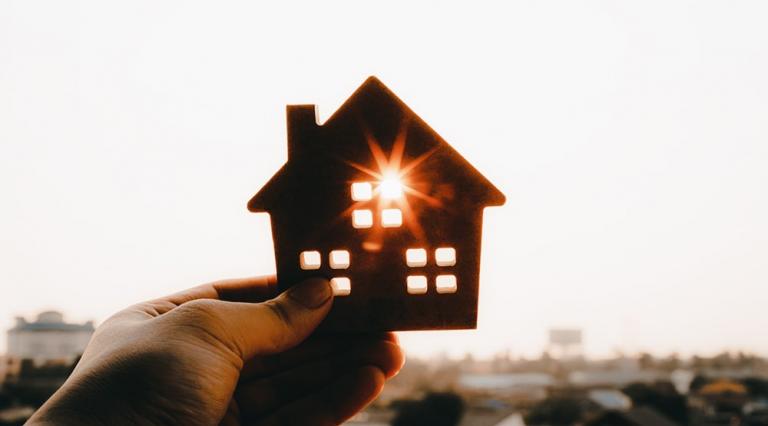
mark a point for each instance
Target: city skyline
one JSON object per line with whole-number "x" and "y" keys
{"x": 630, "y": 140}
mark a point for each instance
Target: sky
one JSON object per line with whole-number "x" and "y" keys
{"x": 630, "y": 139}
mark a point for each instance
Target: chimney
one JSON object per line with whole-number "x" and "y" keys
{"x": 302, "y": 123}
{"x": 20, "y": 321}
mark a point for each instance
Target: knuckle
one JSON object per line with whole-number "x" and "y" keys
{"x": 201, "y": 320}
{"x": 199, "y": 316}
{"x": 202, "y": 309}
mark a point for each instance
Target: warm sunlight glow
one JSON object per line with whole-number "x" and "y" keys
{"x": 391, "y": 174}
{"x": 417, "y": 284}
{"x": 391, "y": 187}
{"x": 362, "y": 191}
{"x": 635, "y": 167}
{"x": 416, "y": 257}
{"x": 310, "y": 260}
{"x": 362, "y": 218}
{"x": 391, "y": 218}
{"x": 339, "y": 259}
{"x": 341, "y": 286}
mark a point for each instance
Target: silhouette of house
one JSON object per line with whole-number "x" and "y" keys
{"x": 379, "y": 203}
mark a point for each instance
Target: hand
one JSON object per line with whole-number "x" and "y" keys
{"x": 209, "y": 355}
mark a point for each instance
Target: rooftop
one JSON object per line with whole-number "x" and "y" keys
{"x": 50, "y": 321}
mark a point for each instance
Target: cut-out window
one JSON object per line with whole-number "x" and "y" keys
{"x": 391, "y": 218}
{"x": 341, "y": 286}
{"x": 417, "y": 284}
{"x": 362, "y": 191}
{"x": 445, "y": 284}
{"x": 416, "y": 257}
{"x": 445, "y": 256}
{"x": 309, "y": 260}
{"x": 362, "y": 218}
{"x": 339, "y": 259}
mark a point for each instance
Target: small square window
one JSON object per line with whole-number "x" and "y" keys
{"x": 362, "y": 218}
{"x": 362, "y": 191}
{"x": 391, "y": 218}
{"x": 339, "y": 259}
{"x": 341, "y": 286}
{"x": 309, "y": 260}
{"x": 445, "y": 256}
{"x": 416, "y": 257}
{"x": 417, "y": 284}
{"x": 445, "y": 284}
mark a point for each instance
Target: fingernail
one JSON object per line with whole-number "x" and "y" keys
{"x": 311, "y": 293}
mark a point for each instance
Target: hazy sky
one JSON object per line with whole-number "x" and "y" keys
{"x": 631, "y": 140}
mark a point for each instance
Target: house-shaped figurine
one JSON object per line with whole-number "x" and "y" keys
{"x": 377, "y": 202}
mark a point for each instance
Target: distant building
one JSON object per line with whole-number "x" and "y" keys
{"x": 531, "y": 386}
{"x": 48, "y": 339}
{"x": 626, "y": 371}
{"x": 565, "y": 342}
{"x": 614, "y": 378}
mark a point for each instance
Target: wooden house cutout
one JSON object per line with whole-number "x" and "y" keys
{"x": 377, "y": 202}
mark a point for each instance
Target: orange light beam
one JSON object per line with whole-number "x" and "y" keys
{"x": 429, "y": 199}
{"x": 364, "y": 169}
{"x": 409, "y": 218}
{"x": 398, "y": 147}
{"x": 420, "y": 159}
{"x": 376, "y": 151}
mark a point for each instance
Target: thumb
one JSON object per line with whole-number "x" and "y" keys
{"x": 288, "y": 319}
{"x": 269, "y": 327}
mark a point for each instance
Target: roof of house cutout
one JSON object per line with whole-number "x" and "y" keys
{"x": 367, "y": 103}
{"x": 416, "y": 195}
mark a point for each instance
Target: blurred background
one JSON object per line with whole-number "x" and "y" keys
{"x": 629, "y": 137}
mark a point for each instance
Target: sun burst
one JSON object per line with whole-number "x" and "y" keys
{"x": 393, "y": 182}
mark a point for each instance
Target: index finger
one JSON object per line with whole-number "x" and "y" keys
{"x": 314, "y": 348}
{"x": 253, "y": 289}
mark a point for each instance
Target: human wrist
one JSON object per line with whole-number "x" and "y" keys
{"x": 63, "y": 408}
{"x": 94, "y": 397}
